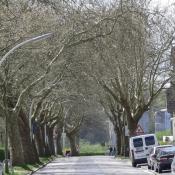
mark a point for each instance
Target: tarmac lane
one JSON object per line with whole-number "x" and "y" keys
{"x": 91, "y": 165}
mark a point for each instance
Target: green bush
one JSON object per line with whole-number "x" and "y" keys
{"x": 91, "y": 149}
{"x": 160, "y": 135}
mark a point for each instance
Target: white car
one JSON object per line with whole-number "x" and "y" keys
{"x": 140, "y": 146}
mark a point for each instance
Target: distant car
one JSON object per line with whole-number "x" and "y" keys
{"x": 140, "y": 146}
{"x": 153, "y": 153}
{"x": 164, "y": 159}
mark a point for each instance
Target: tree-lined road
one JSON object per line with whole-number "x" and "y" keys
{"x": 92, "y": 165}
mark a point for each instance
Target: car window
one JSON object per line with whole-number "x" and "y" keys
{"x": 167, "y": 151}
{"x": 149, "y": 140}
{"x": 138, "y": 142}
{"x": 162, "y": 148}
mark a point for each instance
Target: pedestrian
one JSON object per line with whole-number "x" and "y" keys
{"x": 114, "y": 151}
{"x": 78, "y": 148}
{"x": 110, "y": 150}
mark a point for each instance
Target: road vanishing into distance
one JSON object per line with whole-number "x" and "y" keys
{"x": 93, "y": 165}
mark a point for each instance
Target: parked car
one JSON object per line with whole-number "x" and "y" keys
{"x": 140, "y": 146}
{"x": 153, "y": 153}
{"x": 173, "y": 166}
{"x": 164, "y": 159}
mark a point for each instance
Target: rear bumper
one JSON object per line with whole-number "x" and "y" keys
{"x": 165, "y": 166}
{"x": 140, "y": 161}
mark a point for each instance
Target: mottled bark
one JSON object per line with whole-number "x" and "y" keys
{"x": 132, "y": 125}
{"x": 58, "y": 144}
{"x": 45, "y": 139}
{"x": 72, "y": 140}
{"x": 16, "y": 149}
{"x": 40, "y": 143}
{"x": 51, "y": 141}
{"x": 118, "y": 138}
{"x": 30, "y": 153}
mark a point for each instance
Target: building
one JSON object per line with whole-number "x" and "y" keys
{"x": 162, "y": 120}
{"x": 144, "y": 122}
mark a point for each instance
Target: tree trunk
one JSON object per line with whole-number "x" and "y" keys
{"x": 51, "y": 141}
{"x": 16, "y": 149}
{"x": 58, "y": 144}
{"x": 126, "y": 153}
{"x": 45, "y": 139}
{"x": 40, "y": 143}
{"x": 30, "y": 153}
{"x": 118, "y": 138}
{"x": 132, "y": 125}
{"x": 72, "y": 139}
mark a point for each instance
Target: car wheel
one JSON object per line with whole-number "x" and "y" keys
{"x": 155, "y": 168}
{"x": 159, "y": 169}
{"x": 149, "y": 167}
{"x": 134, "y": 164}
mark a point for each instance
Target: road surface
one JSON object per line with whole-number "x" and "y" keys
{"x": 166, "y": 172}
{"x": 91, "y": 165}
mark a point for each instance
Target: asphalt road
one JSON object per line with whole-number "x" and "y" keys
{"x": 163, "y": 173}
{"x": 91, "y": 165}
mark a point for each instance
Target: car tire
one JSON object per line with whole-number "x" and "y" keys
{"x": 149, "y": 167}
{"x": 134, "y": 164}
{"x": 159, "y": 169}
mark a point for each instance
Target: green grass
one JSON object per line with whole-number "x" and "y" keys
{"x": 27, "y": 168}
{"x": 87, "y": 149}
{"x": 160, "y": 135}
{"x": 24, "y": 169}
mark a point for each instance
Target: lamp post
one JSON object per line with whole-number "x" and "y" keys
{"x": 3, "y": 59}
{"x": 109, "y": 132}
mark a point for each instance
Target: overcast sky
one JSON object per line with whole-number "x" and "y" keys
{"x": 164, "y": 3}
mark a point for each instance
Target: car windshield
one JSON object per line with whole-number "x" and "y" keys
{"x": 138, "y": 142}
{"x": 159, "y": 148}
{"x": 149, "y": 140}
{"x": 167, "y": 151}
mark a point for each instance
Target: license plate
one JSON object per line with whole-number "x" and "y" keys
{"x": 139, "y": 149}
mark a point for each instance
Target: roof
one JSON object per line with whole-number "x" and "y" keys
{"x": 144, "y": 135}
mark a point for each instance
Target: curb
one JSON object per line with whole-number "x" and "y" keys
{"x": 42, "y": 166}
{"x": 151, "y": 172}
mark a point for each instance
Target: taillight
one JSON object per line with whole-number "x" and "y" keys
{"x": 163, "y": 158}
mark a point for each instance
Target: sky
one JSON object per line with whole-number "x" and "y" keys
{"x": 164, "y": 3}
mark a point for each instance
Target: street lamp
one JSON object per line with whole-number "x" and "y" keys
{"x": 4, "y": 58}
{"x": 37, "y": 38}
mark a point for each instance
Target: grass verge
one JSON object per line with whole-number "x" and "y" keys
{"x": 160, "y": 135}
{"x": 87, "y": 149}
{"x": 28, "y": 168}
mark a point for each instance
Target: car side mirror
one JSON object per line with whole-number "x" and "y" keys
{"x": 153, "y": 156}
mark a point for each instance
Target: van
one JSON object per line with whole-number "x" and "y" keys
{"x": 140, "y": 146}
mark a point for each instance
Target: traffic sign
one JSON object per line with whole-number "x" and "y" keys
{"x": 139, "y": 130}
